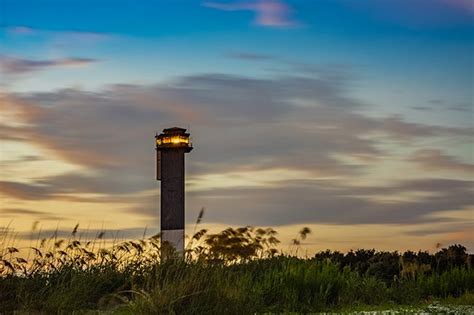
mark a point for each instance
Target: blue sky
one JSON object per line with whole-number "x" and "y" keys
{"x": 376, "y": 92}
{"x": 427, "y": 44}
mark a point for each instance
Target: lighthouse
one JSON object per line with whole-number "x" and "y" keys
{"x": 171, "y": 145}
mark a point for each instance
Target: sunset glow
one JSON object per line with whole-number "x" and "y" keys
{"x": 351, "y": 117}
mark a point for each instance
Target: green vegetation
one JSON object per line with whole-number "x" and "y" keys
{"x": 237, "y": 271}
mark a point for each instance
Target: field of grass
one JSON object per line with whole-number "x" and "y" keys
{"x": 237, "y": 271}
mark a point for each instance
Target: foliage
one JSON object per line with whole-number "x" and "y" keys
{"x": 391, "y": 265}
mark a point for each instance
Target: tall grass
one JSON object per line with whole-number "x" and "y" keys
{"x": 237, "y": 271}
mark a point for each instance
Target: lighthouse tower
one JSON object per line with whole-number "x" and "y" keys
{"x": 171, "y": 145}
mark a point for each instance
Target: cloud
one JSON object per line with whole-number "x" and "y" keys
{"x": 436, "y": 160}
{"x": 401, "y": 130}
{"x": 90, "y": 234}
{"x": 268, "y": 13}
{"x": 208, "y": 101}
{"x": 417, "y": 13}
{"x": 34, "y": 214}
{"x": 73, "y": 35}
{"x": 297, "y": 125}
{"x": 422, "y": 108}
{"x": 5, "y": 230}
{"x": 24, "y": 191}
{"x": 13, "y": 66}
{"x": 467, "y": 5}
{"x": 467, "y": 108}
{"x": 441, "y": 105}
{"x": 43, "y": 190}
{"x": 18, "y": 211}
{"x": 21, "y": 30}
{"x": 448, "y": 228}
{"x": 249, "y": 56}
{"x": 333, "y": 202}
{"x": 249, "y": 118}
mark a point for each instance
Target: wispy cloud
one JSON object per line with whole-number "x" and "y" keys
{"x": 432, "y": 159}
{"x": 12, "y": 65}
{"x": 21, "y": 30}
{"x": 39, "y": 215}
{"x": 90, "y": 234}
{"x": 72, "y": 34}
{"x": 268, "y": 13}
{"x": 462, "y": 4}
{"x": 417, "y": 13}
{"x": 249, "y": 56}
{"x": 38, "y": 191}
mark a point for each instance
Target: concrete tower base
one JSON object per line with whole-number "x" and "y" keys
{"x": 175, "y": 238}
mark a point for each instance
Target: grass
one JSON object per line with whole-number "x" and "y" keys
{"x": 237, "y": 271}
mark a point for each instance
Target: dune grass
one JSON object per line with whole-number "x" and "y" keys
{"x": 237, "y": 271}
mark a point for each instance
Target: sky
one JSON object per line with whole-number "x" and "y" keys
{"x": 351, "y": 117}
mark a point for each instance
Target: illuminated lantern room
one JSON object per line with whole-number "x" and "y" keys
{"x": 173, "y": 138}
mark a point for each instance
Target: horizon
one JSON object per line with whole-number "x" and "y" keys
{"x": 352, "y": 118}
